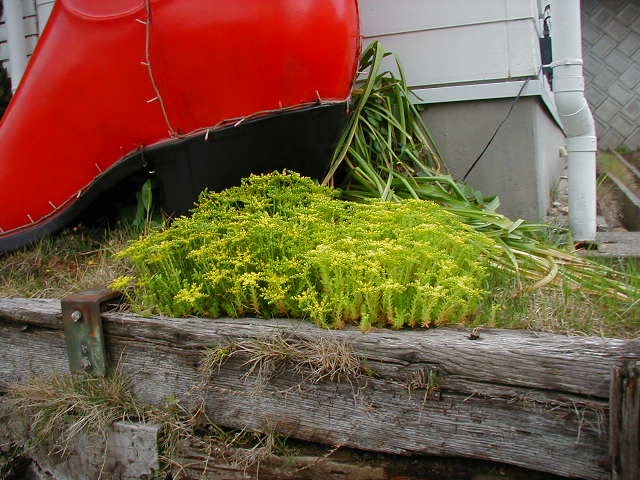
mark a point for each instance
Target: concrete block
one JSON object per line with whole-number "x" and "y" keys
{"x": 607, "y": 110}
{"x": 633, "y": 141}
{"x": 619, "y": 93}
{"x": 612, "y": 5}
{"x": 601, "y": 15}
{"x": 605, "y": 78}
{"x": 611, "y": 139}
{"x": 632, "y": 109}
{"x": 137, "y": 444}
{"x": 592, "y": 64}
{"x": 622, "y": 126}
{"x": 616, "y": 30}
{"x": 635, "y": 26}
{"x": 629, "y": 14}
{"x": 130, "y": 453}
{"x": 591, "y": 32}
{"x": 601, "y": 127}
{"x": 618, "y": 61}
{"x": 631, "y": 77}
{"x": 630, "y": 44}
{"x": 595, "y": 96}
{"x": 588, "y": 77}
{"x": 603, "y": 47}
{"x": 522, "y": 163}
{"x": 616, "y": 245}
{"x": 589, "y": 6}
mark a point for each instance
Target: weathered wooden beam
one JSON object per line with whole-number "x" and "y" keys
{"x": 534, "y": 400}
{"x": 131, "y": 451}
{"x": 306, "y": 462}
{"x": 624, "y": 423}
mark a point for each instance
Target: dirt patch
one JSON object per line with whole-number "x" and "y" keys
{"x": 609, "y": 206}
{"x": 633, "y": 158}
{"x": 609, "y": 199}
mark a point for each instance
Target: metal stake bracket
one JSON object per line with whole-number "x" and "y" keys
{"x": 81, "y": 315}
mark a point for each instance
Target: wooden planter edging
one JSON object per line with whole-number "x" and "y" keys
{"x": 534, "y": 400}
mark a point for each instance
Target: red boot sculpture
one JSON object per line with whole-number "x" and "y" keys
{"x": 195, "y": 93}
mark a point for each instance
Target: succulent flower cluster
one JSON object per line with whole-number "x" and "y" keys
{"x": 281, "y": 246}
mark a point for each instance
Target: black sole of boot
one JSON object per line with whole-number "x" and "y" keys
{"x": 301, "y": 140}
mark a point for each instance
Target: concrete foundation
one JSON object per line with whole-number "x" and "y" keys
{"x": 522, "y": 166}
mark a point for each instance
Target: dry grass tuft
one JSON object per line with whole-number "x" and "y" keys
{"x": 248, "y": 449}
{"x": 563, "y": 311}
{"x": 424, "y": 379}
{"x": 241, "y": 449}
{"x": 61, "y": 408}
{"x": 326, "y": 359}
{"x": 76, "y": 259}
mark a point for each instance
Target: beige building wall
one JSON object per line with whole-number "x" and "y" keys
{"x": 522, "y": 165}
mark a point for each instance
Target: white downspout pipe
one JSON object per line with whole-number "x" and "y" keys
{"x": 576, "y": 117}
{"x": 16, "y": 41}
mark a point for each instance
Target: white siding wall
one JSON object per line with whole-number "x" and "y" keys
{"x": 453, "y": 50}
{"x": 43, "y": 8}
{"x": 4, "y": 53}
{"x": 35, "y": 16}
{"x": 458, "y": 43}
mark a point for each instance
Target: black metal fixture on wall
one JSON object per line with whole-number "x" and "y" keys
{"x": 5, "y": 83}
{"x": 5, "y": 89}
{"x": 545, "y": 44}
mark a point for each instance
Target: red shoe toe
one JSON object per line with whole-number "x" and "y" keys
{"x": 89, "y": 103}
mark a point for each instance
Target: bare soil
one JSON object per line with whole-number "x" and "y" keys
{"x": 609, "y": 200}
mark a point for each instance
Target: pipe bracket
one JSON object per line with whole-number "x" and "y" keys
{"x": 585, "y": 143}
{"x": 572, "y": 83}
{"x": 565, "y": 62}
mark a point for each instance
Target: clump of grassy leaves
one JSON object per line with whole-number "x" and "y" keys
{"x": 387, "y": 153}
{"x": 282, "y": 246}
{"x": 559, "y": 309}
{"x": 60, "y": 408}
{"x": 81, "y": 257}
